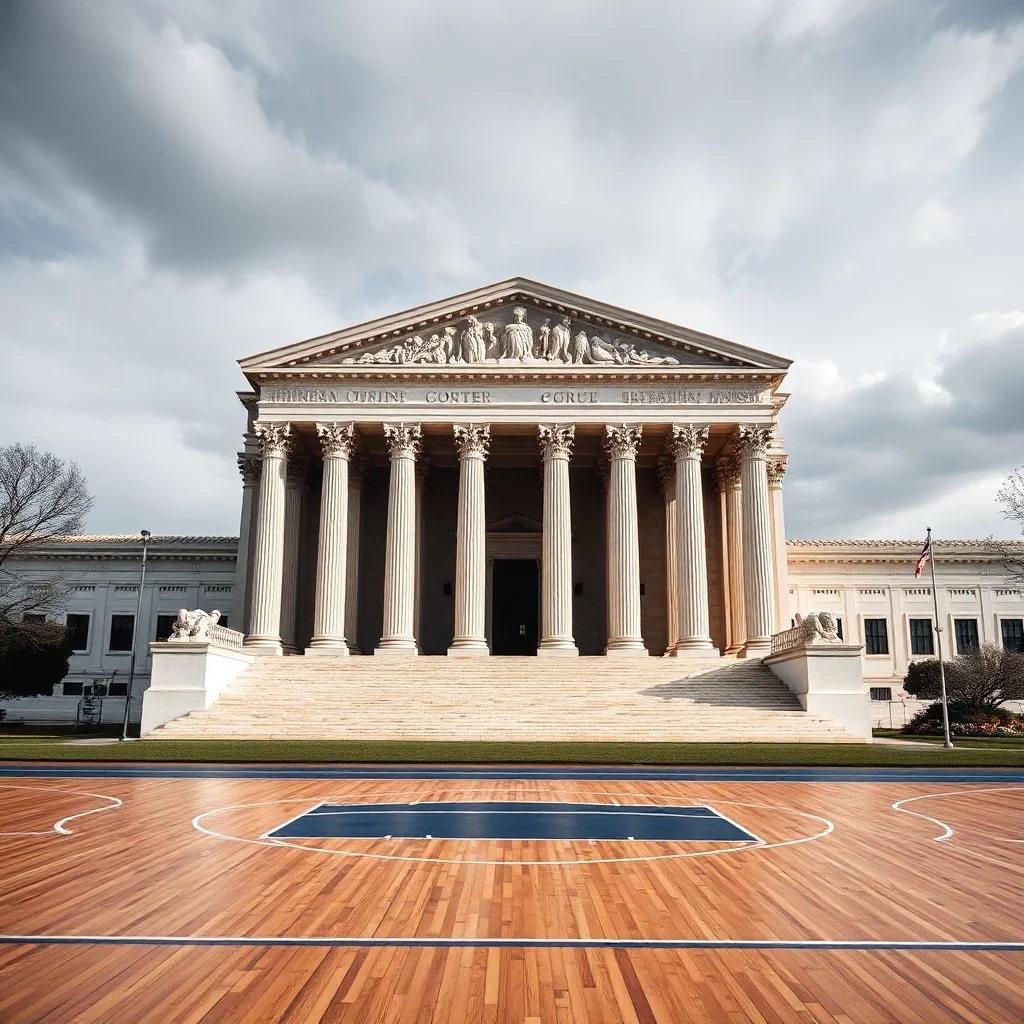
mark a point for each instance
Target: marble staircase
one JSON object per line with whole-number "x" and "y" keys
{"x": 522, "y": 699}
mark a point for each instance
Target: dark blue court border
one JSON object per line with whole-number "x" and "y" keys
{"x": 600, "y": 773}
{"x": 513, "y": 820}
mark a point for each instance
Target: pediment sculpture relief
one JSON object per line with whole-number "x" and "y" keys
{"x": 519, "y": 336}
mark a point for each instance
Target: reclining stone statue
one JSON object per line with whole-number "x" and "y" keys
{"x": 193, "y": 626}
{"x": 818, "y": 628}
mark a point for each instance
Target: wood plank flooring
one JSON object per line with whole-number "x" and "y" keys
{"x": 837, "y": 863}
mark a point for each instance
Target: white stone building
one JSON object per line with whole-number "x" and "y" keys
{"x": 517, "y": 470}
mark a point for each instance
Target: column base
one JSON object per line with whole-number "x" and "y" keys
{"x": 631, "y": 650}
{"x": 327, "y": 648}
{"x": 758, "y": 647}
{"x": 263, "y": 645}
{"x": 679, "y": 651}
{"x": 404, "y": 649}
{"x": 470, "y": 649}
{"x": 563, "y": 650}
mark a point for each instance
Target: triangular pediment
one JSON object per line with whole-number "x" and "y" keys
{"x": 517, "y": 323}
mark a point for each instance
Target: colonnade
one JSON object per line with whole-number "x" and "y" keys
{"x": 751, "y": 520}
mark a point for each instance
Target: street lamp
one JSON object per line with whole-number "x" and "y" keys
{"x": 135, "y": 636}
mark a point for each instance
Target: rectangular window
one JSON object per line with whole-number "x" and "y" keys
{"x": 1013, "y": 634}
{"x": 72, "y": 689}
{"x": 966, "y": 633}
{"x": 165, "y": 626}
{"x": 881, "y": 693}
{"x": 921, "y": 640}
{"x": 78, "y": 627}
{"x": 121, "y": 627}
{"x": 33, "y": 617}
{"x": 876, "y": 636}
{"x": 117, "y": 689}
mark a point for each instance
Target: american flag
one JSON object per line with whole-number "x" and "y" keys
{"x": 922, "y": 560}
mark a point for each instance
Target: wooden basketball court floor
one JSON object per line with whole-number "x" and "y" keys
{"x": 156, "y": 893}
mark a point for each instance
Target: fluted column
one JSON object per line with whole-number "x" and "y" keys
{"x": 667, "y": 479}
{"x": 687, "y": 446}
{"x": 295, "y": 487}
{"x": 728, "y": 469}
{"x": 336, "y": 443}
{"x": 356, "y": 479}
{"x": 624, "y": 633}
{"x": 753, "y": 444}
{"x": 398, "y": 637}
{"x": 556, "y": 544}
{"x": 776, "y": 469}
{"x": 249, "y": 466}
{"x": 472, "y": 442}
{"x": 268, "y": 557}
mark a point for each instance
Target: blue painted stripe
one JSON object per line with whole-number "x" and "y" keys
{"x": 535, "y": 943}
{"x": 979, "y": 776}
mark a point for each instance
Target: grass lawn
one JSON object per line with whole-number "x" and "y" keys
{"x": 335, "y": 752}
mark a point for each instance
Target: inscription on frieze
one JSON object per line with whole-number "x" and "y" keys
{"x": 297, "y": 394}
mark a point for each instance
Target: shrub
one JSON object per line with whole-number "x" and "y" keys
{"x": 965, "y": 720}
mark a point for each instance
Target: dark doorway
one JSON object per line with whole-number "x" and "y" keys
{"x": 514, "y": 606}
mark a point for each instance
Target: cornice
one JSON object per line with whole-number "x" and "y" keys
{"x": 957, "y": 552}
{"x": 518, "y": 289}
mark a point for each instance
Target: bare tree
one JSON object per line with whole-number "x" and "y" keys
{"x": 42, "y": 497}
{"x": 1011, "y": 497}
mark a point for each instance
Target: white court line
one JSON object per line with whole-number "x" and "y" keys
{"x": 736, "y": 824}
{"x": 746, "y": 845}
{"x": 301, "y": 814}
{"x": 60, "y": 827}
{"x": 558, "y": 942}
{"x": 947, "y": 830}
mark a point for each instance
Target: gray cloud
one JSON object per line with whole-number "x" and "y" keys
{"x": 183, "y": 182}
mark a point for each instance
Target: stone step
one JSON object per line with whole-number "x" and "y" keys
{"x": 507, "y": 699}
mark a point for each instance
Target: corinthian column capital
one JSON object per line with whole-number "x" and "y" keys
{"x": 777, "y": 465}
{"x": 249, "y": 466}
{"x": 337, "y": 440}
{"x": 472, "y": 440}
{"x": 622, "y": 442}
{"x": 404, "y": 440}
{"x": 274, "y": 439}
{"x": 727, "y": 470}
{"x": 688, "y": 440}
{"x": 555, "y": 440}
{"x": 753, "y": 442}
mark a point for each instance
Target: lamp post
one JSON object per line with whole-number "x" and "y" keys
{"x": 135, "y": 636}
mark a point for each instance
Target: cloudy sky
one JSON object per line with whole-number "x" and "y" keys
{"x": 186, "y": 182}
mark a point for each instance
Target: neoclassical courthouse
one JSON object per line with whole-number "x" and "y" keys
{"x": 519, "y": 470}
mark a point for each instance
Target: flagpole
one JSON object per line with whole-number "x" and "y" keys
{"x": 948, "y": 743}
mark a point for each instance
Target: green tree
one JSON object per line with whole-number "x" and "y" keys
{"x": 982, "y": 679}
{"x": 33, "y": 656}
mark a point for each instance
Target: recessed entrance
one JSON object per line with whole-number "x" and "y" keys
{"x": 515, "y": 606}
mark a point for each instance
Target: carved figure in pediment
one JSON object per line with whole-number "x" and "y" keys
{"x": 580, "y": 348}
{"x": 474, "y": 349}
{"x": 492, "y": 345}
{"x": 544, "y": 341}
{"x": 601, "y": 351}
{"x": 517, "y": 337}
{"x": 561, "y": 339}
